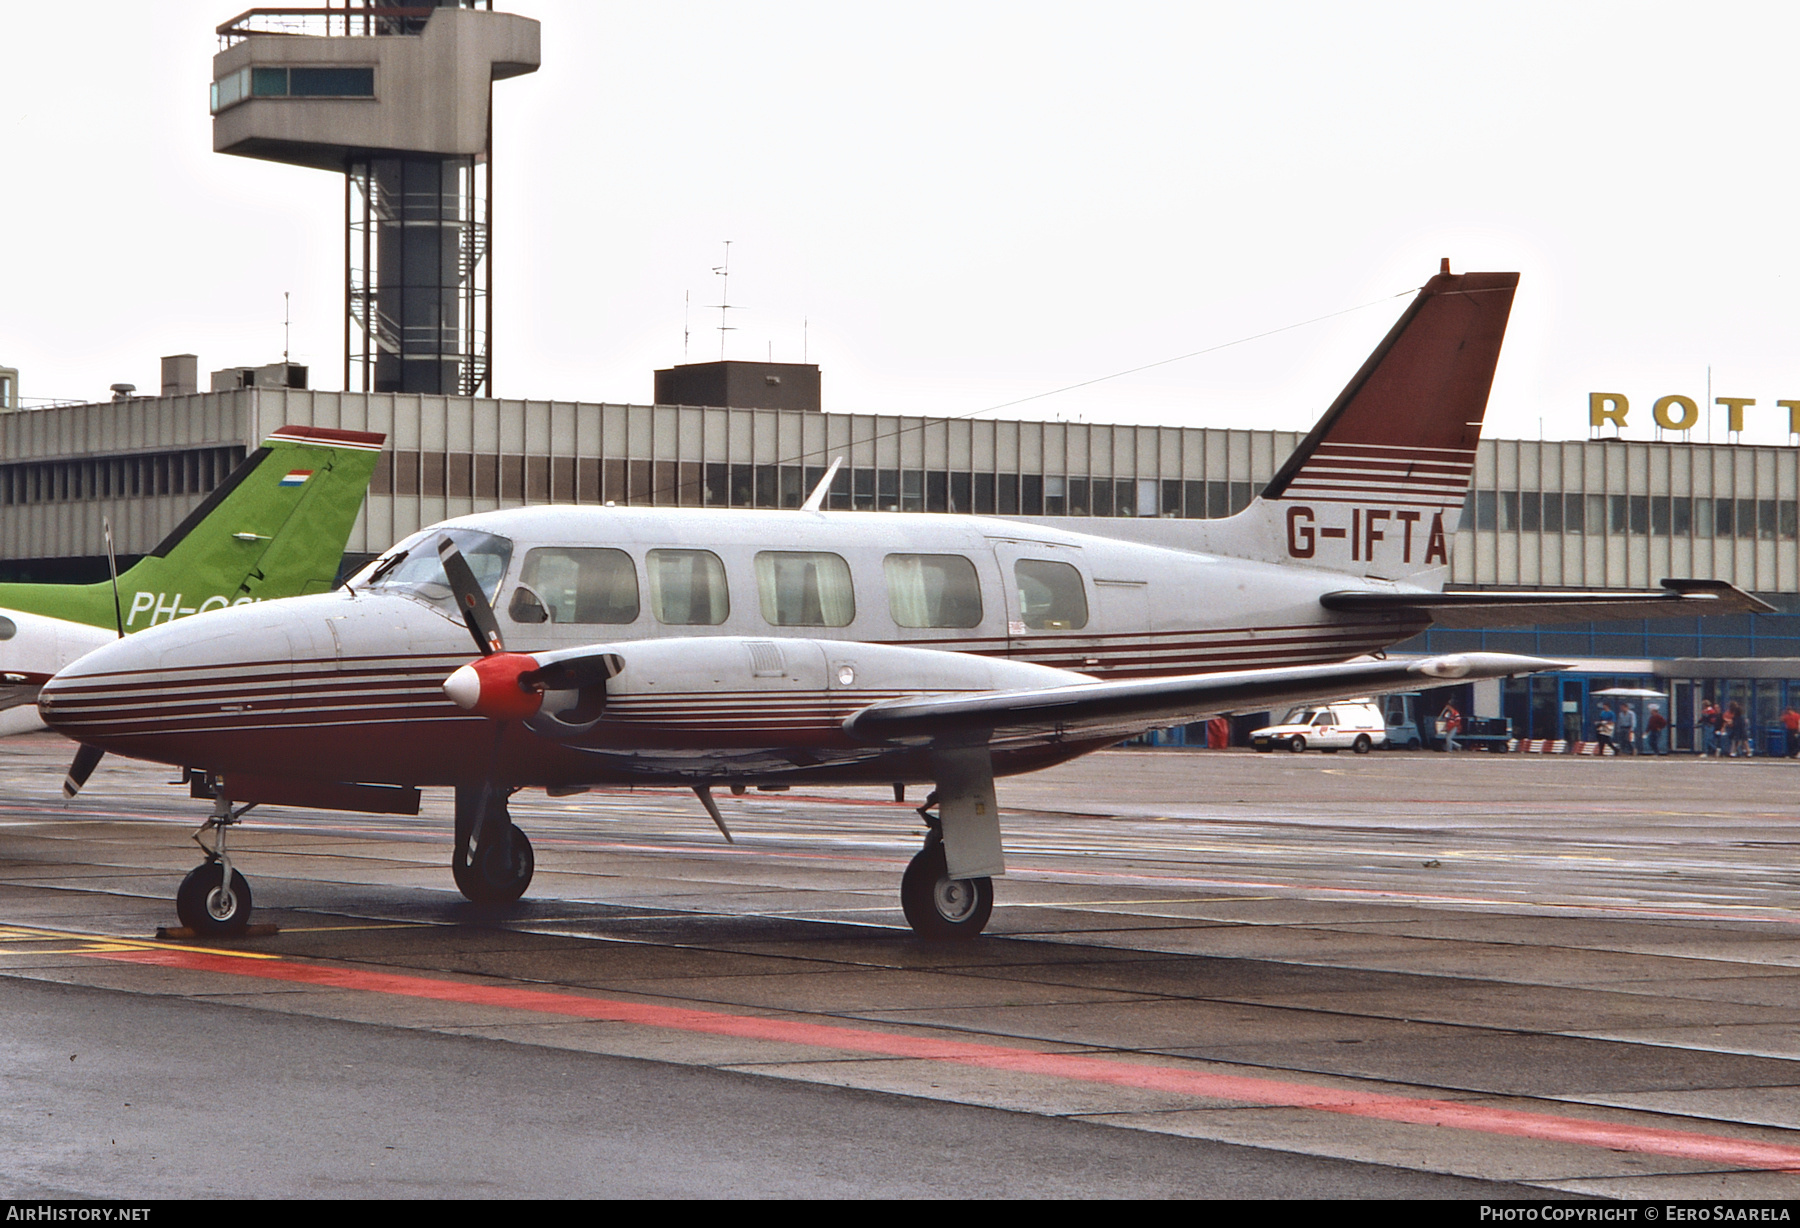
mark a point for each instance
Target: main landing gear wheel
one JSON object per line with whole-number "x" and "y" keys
{"x": 941, "y": 908}
{"x": 207, "y": 907}
{"x": 501, "y": 871}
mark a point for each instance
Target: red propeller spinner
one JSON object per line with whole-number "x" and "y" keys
{"x": 496, "y": 687}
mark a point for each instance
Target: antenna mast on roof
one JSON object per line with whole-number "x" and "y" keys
{"x": 724, "y": 273}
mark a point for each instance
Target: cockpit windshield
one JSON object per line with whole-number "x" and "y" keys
{"x": 413, "y": 567}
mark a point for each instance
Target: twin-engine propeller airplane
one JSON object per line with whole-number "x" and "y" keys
{"x": 275, "y": 526}
{"x": 701, "y": 648}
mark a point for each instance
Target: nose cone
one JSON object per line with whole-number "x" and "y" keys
{"x": 197, "y": 675}
{"x": 102, "y": 682}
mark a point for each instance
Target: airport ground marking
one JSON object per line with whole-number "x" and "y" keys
{"x": 1243, "y": 1089}
{"x": 102, "y": 944}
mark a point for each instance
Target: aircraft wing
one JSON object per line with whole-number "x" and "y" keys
{"x": 18, "y": 689}
{"x": 1679, "y": 599}
{"x": 1122, "y": 708}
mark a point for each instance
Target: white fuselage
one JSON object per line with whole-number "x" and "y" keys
{"x": 32, "y": 648}
{"x": 1149, "y": 610}
{"x": 350, "y": 684}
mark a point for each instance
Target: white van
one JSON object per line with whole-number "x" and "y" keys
{"x": 1357, "y": 724}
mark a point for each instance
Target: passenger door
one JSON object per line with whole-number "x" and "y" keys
{"x": 1050, "y": 604}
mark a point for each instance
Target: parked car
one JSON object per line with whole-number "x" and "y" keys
{"x": 1359, "y": 726}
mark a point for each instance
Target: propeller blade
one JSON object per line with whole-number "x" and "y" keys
{"x": 87, "y": 758}
{"x": 477, "y": 614}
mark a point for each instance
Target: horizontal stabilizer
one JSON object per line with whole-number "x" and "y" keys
{"x": 1105, "y": 709}
{"x": 1679, "y": 599}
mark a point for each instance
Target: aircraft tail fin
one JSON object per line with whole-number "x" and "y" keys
{"x": 1375, "y": 488}
{"x": 1406, "y": 426}
{"x": 275, "y": 527}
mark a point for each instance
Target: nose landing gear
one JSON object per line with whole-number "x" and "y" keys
{"x": 214, "y": 899}
{"x": 208, "y": 907}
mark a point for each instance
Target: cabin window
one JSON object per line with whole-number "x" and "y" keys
{"x": 1051, "y": 597}
{"x": 576, "y": 585}
{"x": 687, "y": 588}
{"x": 933, "y": 590}
{"x": 804, "y": 589}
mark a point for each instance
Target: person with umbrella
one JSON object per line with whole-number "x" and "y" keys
{"x": 1627, "y": 729}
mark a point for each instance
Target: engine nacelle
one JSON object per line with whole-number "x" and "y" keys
{"x": 731, "y": 686}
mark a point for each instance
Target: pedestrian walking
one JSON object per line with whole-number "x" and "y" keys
{"x": 1737, "y": 730}
{"x": 1656, "y": 732}
{"x": 1452, "y": 723}
{"x": 1603, "y": 729}
{"x": 1708, "y": 728}
{"x": 1790, "y": 721}
{"x": 1627, "y": 730}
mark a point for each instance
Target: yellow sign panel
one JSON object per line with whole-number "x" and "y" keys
{"x": 1678, "y": 413}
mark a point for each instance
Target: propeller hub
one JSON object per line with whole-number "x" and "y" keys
{"x": 495, "y": 687}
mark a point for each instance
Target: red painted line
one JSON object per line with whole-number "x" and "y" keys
{"x": 1274, "y": 1093}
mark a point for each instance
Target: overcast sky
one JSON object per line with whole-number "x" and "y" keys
{"x": 972, "y": 203}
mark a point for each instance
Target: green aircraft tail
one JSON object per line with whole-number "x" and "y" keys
{"x": 275, "y": 527}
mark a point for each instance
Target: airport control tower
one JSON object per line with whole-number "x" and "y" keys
{"x": 397, "y": 97}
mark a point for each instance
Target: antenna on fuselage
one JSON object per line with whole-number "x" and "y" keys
{"x": 112, "y": 567}
{"x": 816, "y": 501}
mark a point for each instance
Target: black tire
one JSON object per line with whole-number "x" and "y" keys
{"x": 1412, "y": 744}
{"x": 1297, "y": 744}
{"x": 501, "y": 872}
{"x": 1363, "y": 744}
{"x": 207, "y": 911}
{"x": 941, "y": 908}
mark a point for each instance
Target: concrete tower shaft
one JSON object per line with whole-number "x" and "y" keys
{"x": 398, "y": 99}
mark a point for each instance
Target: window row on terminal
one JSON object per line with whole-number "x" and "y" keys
{"x": 184, "y": 472}
{"x": 567, "y": 479}
{"x": 1531, "y": 511}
